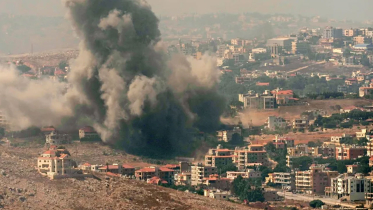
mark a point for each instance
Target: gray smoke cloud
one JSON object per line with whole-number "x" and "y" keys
{"x": 139, "y": 99}
{"x": 28, "y": 102}
{"x": 122, "y": 83}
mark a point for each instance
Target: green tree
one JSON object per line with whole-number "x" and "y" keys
{"x": 63, "y": 64}
{"x": 23, "y": 68}
{"x": 225, "y": 168}
{"x": 316, "y": 203}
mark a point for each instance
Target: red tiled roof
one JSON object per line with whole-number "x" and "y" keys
{"x": 371, "y": 158}
{"x": 127, "y": 166}
{"x": 59, "y": 72}
{"x": 146, "y": 170}
{"x": 87, "y": 164}
{"x": 171, "y": 166}
{"x": 166, "y": 170}
{"x": 49, "y": 152}
{"x": 47, "y": 129}
{"x": 64, "y": 156}
{"x": 88, "y": 129}
{"x": 110, "y": 167}
{"x": 351, "y": 79}
{"x": 284, "y": 92}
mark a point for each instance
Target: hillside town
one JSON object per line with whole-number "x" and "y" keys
{"x": 208, "y": 111}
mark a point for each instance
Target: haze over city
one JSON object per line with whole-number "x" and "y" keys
{"x": 173, "y": 104}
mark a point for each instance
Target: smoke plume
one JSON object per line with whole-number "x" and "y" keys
{"x": 139, "y": 99}
{"x": 28, "y": 102}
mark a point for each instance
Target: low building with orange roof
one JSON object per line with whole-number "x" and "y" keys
{"x": 128, "y": 170}
{"x": 156, "y": 180}
{"x": 283, "y": 96}
{"x": 217, "y": 182}
{"x": 161, "y": 172}
{"x": 55, "y": 163}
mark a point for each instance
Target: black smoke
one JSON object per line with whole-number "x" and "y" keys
{"x": 138, "y": 99}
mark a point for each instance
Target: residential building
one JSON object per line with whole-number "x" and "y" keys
{"x": 249, "y": 156}
{"x": 338, "y": 139}
{"x": 330, "y": 32}
{"x": 369, "y": 148}
{"x": 366, "y": 91}
{"x": 326, "y": 151}
{"x": 361, "y": 134}
{"x": 351, "y": 188}
{"x": 217, "y": 182}
{"x": 55, "y": 138}
{"x": 218, "y": 161}
{"x": 115, "y": 168}
{"x": 362, "y": 47}
{"x": 346, "y": 152}
{"x": 300, "y": 123}
{"x": 287, "y": 180}
{"x": 56, "y": 163}
{"x": 184, "y": 178}
{"x": 285, "y": 140}
{"x": 276, "y": 123}
{"x": 149, "y": 172}
{"x": 362, "y": 40}
{"x": 217, "y": 194}
{"x": 350, "y": 32}
{"x": 259, "y": 50}
{"x": 88, "y": 132}
{"x": 199, "y": 172}
{"x": 128, "y": 170}
{"x": 314, "y": 180}
{"x": 278, "y": 45}
{"x": 299, "y": 150}
{"x": 352, "y": 169}
{"x": 226, "y": 135}
{"x": 249, "y": 173}
{"x": 257, "y": 101}
{"x": 342, "y": 89}
{"x": 283, "y": 96}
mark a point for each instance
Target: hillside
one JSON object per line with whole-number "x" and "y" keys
{"x": 21, "y": 187}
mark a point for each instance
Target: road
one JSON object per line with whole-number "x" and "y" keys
{"x": 304, "y": 67}
{"x": 305, "y": 197}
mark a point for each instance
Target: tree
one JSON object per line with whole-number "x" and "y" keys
{"x": 237, "y": 139}
{"x": 242, "y": 188}
{"x": 225, "y": 168}
{"x": 347, "y": 53}
{"x": 2, "y": 131}
{"x": 286, "y": 61}
{"x": 23, "y": 68}
{"x": 316, "y": 203}
{"x": 63, "y": 64}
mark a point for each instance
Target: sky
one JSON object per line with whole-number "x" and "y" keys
{"x": 337, "y": 9}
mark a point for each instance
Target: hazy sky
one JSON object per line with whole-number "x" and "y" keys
{"x": 339, "y": 9}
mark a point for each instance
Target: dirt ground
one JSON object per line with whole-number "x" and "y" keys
{"x": 22, "y": 187}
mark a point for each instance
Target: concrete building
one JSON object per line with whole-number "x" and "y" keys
{"x": 326, "y": 151}
{"x": 314, "y": 180}
{"x": 216, "y": 182}
{"x": 365, "y": 91}
{"x": 218, "y": 161}
{"x": 249, "y": 173}
{"x": 352, "y": 169}
{"x": 361, "y": 134}
{"x": 56, "y": 163}
{"x": 287, "y": 180}
{"x": 257, "y": 101}
{"x": 330, "y": 32}
{"x": 217, "y": 194}
{"x": 346, "y": 152}
{"x": 184, "y": 178}
{"x": 278, "y": 45}
{"x": 88, "y": 132}
{"x": 283, "y": 96}
{"x": 350, "y": 32}
{"x": 247, "y": 157}
{"x": 285, "y": 140}
{"x": 369, "y": 148}
{"x": 362, "y": 40}
{"x": 300, "y": 123}
{"x": 276, "y": 123}
{"x": 226, "y": 135}
{"x": 199, "y": 172}
{"x": 351, "y": 188}
{"x": 149, "y": 172}
{"x": 55, "y": 138}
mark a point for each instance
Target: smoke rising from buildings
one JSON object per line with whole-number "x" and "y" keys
{"x": 138, "y": 98}
{"x": 29, "y": 102}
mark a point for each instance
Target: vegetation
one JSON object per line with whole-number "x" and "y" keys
{"x": 345, "y": 120}
{"x": 245, "y": 189}
{"x": 23, "y": 68}
{"x": 316, "y": 203}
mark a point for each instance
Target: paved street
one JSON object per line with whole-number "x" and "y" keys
{"x": 305, "y": 197}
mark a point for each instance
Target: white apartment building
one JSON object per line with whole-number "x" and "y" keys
{"x": 217, "y": 194}
{"x": 361, "y": 134}
{"x": 250, "y": 173}
{"x": 198, "y": 172}
{"x": 54, "y": 163}
{"x": 352, "y": 188}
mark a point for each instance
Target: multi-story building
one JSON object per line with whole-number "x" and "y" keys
{"x": 337, "y": 139}
{"x": 278, "y": 45}
{"x": 217, "y": 194}
{"x": 146, "y": 173}
{"x": 330, "y": 32}
{"x": 199, "y": 172}
{"x": 249, "y": 173}
{"x": 257, "y": 101}
{"x": 183, "y": 178}
{"x": 218, "y": 161}
{"x": 285, "y": 140}
{"x": 214, "y": 181}
{"x": 55, "y": 138}
{"x": 346, "y": 152}
{"x": 361, "y": 134}
{"x": 352, "y": 188}
{"x": 369, "y": 148}
{"x": 314, "y": 180}
{"x": 300, "y": 123}
{"x": 326, "y": 151}
{"x": 252, "y": 155}
{"x": 362, "y": 40}
{"x": 350, "y": 32}
{"x": 276, "y": 122}
{"x": 55, "y": 163}
{"x": 366, "y": 91}
{"x": 283, "y": 96}
{"x": 287, "y": 180}
{"x": 88, "y": 132}
{"x": 226, "y": 135}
